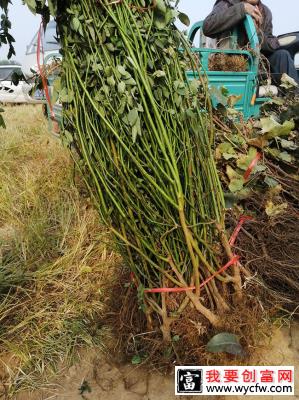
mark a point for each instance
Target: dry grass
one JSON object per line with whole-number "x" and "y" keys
{"x": 55, "y": 258}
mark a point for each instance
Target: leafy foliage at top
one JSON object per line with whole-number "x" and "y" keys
{"x": 5, "y": 26}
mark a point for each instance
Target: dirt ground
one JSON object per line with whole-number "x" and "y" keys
{"x": 111, "y": 382}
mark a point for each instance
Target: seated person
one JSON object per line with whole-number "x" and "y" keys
{"x": 226, "y": 14}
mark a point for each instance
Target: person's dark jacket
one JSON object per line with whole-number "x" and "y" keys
{"x": 226, "y": 14}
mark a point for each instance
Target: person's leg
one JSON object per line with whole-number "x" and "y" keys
{"x": 282, "y": 62}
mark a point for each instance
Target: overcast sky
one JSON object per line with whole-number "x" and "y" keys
{"x": 25, "y": 24}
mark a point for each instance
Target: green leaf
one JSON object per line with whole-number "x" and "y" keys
{"x": 190, "y": 113}
{"x": 184, "y": 19}
{"x": 260, "y": 168}
{"x": 231, "y": 173}
{"x": 179, "y": 87}
{"x": 194, "y": 86}
{"x": 288, "y": 144}
{"x": 56, "y": 90}
{"x": 170, "y": 15}
{"x": 274, "y": 152}
{"x": 160, "y": 20}
{"x": 175, "y": 338}
{"x": 106, "y": 90}
{"x": 108, "y": 71}
{"x": 31, "y": 5}
{"x": 66, "y": 96}
{"x": 111, "y": 81}
{"x": 218, "y": 96}
{"x": 92, "y": 33}
{"x": 271, "y": 182}
{"x": 130, "y": 81}
{"x": 133, "y": 117}
{"x": 136, "y": 130}
{"x": 75, "y": 24}
{"x": 236, "y": 180}
{"x": 136, "y": 360}
{"x": 287, "y": 82}
{"x": 238, "y": 140}
{"x": 228, "y": 156}
{"x": 225, "y": 343}
{"x": 224, "y": 91}
{"x": 285, "y": 156}
{"x": 52, "y": 4}
{"x": 230, "y": 200}
{"x": 277, "y": 101}
{"x": 57, "y": 84}
{"x": 161, "y": 6}
{"x": 244, "y": 161}
{"x": 245, "y": 193}
{"x": 236, "y": 185}
{"x": 121, "y": 87}
{"x": 226, "y": 147}
{"x": 67, "y": 138}
{"x": 110, "y": 47}
{"x": 271, "y": 128}
{"x": 140, "y": 108}
{"x": 159, "y": 74}
{"x": 122, "y": 70}
{"x": 166, "y": 92}
{"x": 177, "y": 99}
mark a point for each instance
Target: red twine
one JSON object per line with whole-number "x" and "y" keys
{"x": 40, "y": 50}
{"x": 235, "y": 259}
{"x": 251, "y": 166}
{"x": 236, "y": 232}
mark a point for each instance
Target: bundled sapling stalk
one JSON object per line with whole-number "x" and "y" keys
{"x": 144, "y": 137}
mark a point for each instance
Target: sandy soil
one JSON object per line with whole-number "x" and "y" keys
{"x": 109, "y": 382}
